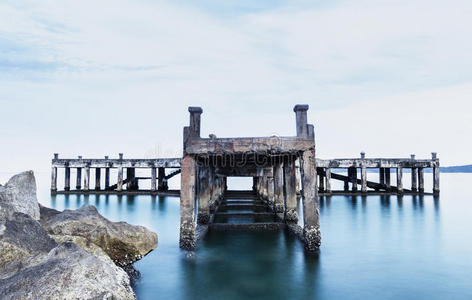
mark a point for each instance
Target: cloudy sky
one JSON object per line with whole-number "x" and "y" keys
{"x": 95, "y": 78}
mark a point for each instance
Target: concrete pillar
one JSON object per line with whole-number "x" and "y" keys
{"x": 346, "y": 182}
{"x": 78, "y": 182}
{"x": 107, "y": 175}
{"x": 414, "y": 180}
{"x": 400, "y": 179}
{"x": 162, "y": 182}
{"x": 54, "y": 179}
{"x": 270, "y": 192}
{"x": 119, "y": 185}
{"x": 291, "y": 215}
{"x": 279, "y": 188}
{"x": 98, "y": 173}
{"x": 328, "y": 180}
{"x": 354, "y": 179}
{"x": 301, "y": 117}
{"x": 298, "y": 179}
{"x": 130, "y": 174}
{"x": 67, "y": 179}
{"x": 387, "y": 178}
{"x": 363, "y": 179}
{"x": 87, "y": 178}
{"x": 254, "y": 183}
{"x": 153, "y": 179}
{"x": 436, "y": 172}
{"x": 311, "y": 211}
{"x": 203, "y": 195}
{"x": 195, "y": 113}
{"x": 321, "y": 180}
{"x": 382, "y": 175}
{"x": 187, "y": 203}
{"x": 421, "y": 180}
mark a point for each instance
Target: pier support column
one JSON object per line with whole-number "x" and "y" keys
{"x": 153, "y": 179}
{"x": 421, "y": 180}
{"x": 53, "y": 179}
{"x": 311, "y": 212}
{"x": 270, "y": 192}
{"x": 78, "y": 182}
{"x": 414, "y": 180}
{"x": 387, "y": 178}
{"x": 67, "y": 179}
{"x": 187, "y": 203}
{"x": 98, "y": 173}
{"x": 279, "y": 188}
{"x": 363, "y": 179}
{"x": 354, "y": 179}
{"x": 119, "y": 185}
{"x": 382, "y": 176}
{"x": 107, "y": 175}
{"x": 321, "y": 180}
{"x": 291, "y": 215}
{"x": 254, "y": 184}
{"x": 87, "y": 178}
{"x": 298, "y": 180}
{"x": 328, "y": 180}
{"x": 130, "y": 176}
{"x": 203, "y": 216}
{"x": 162, "y": 181}
{"x": 346, "y": 182}
{"x": 400, "y": 180}
{"x": 435, "y": 173}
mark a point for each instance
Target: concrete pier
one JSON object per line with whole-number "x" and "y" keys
{"x": 281, "y": 168}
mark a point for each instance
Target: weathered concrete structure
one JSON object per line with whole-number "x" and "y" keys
{"x": 282, "y": 169}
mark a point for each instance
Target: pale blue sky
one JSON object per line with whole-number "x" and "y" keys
{"x": 96, "y": 78}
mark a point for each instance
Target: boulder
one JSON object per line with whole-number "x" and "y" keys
{"x": 66, "y": 272}
{"x": 19, "y": 195}
{"x": 20, "y": 237}
{"x": 124, "y": 243}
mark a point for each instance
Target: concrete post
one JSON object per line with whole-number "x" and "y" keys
{"x": 363, "y": 179}
{"x": 254, "y": 183}
{"x": 321, "y": 180}
{"x": 195, "y": 113}
{"x": 400, "y": 179}
{"x": 187, "y": 203}
{"x": 203, "y": 216}
{"x": 87, "y": 178}
{"x": 130, "y": 174}
{"x": 279, "y": 188}
{"x": 328, "y": 180}
{"x": 78, "y": 182}
{"x": 54, "y": 179}
{"x": 311, "y": 212}
{"x": 97, "y": 178}
{"x": 67, "y": 179}
{"x": 435, "y": 173}
{"x": 346, "y": 182}
{"x": 382, "y": 175}
{"x": 291, "y": 215}
{"x": 107, "y": 176}
{"x": 298, "y": 179}
{"x": 421, "y": 180}
{"x": 387, "y": 178}
{"x": 119, "y": 185}
{"x": 301, "y": 116}
{"x": 153, "y": 179}
{"x": 354, "y": 179}
{"x": 414, "y": 177}
{"x": 270, "y": 192}
{"x": 162, "y": 182}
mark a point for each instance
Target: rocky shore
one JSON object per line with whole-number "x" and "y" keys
{"x": 74, "y": 254}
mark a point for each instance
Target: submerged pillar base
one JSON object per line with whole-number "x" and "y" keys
{"x": 291, "y": 216}
{"x": 203, "y": 218}
{"x": 188, "y": 240}
{"x": 312, "y": 237}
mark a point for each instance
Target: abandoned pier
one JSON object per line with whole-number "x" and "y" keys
{"x": 283, "y": 169}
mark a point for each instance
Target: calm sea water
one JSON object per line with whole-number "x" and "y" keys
{"x": 372, "y": 248}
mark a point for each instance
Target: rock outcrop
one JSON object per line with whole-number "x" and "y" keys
{"x": 66, "y": 272}
{"x": 19, "y": 195}
{"x": 20, "y": 237}
{"x": 124, "y": 243}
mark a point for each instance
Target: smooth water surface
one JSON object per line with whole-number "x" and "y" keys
{"x": 372, "y": 247}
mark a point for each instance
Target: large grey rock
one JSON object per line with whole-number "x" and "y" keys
{"x": 20, "y": 237}
{"x": 124, "y": 243}
{"x": 66, "y": 272}
{"x": 19, "y": 195}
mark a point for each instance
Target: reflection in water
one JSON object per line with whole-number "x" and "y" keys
{"x": 372, "y": 247}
